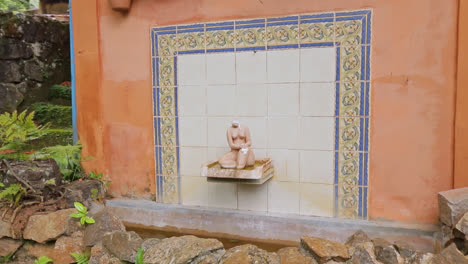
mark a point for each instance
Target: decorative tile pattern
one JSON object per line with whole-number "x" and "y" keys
{"x": 349, "y": 33}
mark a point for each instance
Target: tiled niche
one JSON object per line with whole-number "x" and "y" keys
{"x": 300, "y": 83}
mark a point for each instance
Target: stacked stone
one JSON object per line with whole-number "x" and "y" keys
{"x": 34, "y": 55}
{"x": 453, "y": 206}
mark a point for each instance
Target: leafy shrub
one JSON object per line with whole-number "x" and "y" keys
{"x": 43, "y": 260}
{"x": 17, "y": 5}
{"x": 60, "y": 91}
{"x": 12, "y": 194}
{"x": 17, "y": 130}
{"x": 68, "y": 159}
{"x": 81, "y": 258}
{"x": 82, "y": 214}
{"x": 56, "y": 115}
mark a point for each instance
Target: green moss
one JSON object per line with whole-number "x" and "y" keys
{"x": 52, "y": 138}
{"x": 59, "y": 116}
{"x": 60, "y": 92}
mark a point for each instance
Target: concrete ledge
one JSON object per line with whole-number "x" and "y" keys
{"x": 263, "y": 226}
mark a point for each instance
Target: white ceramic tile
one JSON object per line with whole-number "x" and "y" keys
{"x": 191, "y": 69}
{"x": 318, "y": 64}
{"x": 317, "y": 99}
{"x": 283, "y": 66}
{"x": 283, "y": 132}
{"x": 191, "y": 160}
{"x": 317, "y": 166}
{"x": 198, "y": 192}
{"x": 192, "y": 100}
{"x": 217, "y": 127}
{"x": 216, "y": 153}
{"x": 317, "y": 133}
{"x": 192, "y": 131}
{"x": 221, "y": 68}
{"x": 283, "y": 99}
{"x": 258, "y": 129}
{"x": 283, "y": 197}
{"x": 317, "y": 199}
{"x": 286, "y": 163}
{"x": 221, "y": 100}
{"x": 251, "y": 67}
{"x": 253, "y": 197}
{"x": 251, "y": 99}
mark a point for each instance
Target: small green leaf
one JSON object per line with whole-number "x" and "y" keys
{"x": 76, "y": 215}
{"x": 2, "y": 185}
{"x": 50, "y": 182}
{"x": 43, "y": 260}
{"x": 89, "y": 220}
{"x": 80, "y": 207}
{"x": 82, "y": 220}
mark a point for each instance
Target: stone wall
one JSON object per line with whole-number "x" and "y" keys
{"x": 34, "y": 55}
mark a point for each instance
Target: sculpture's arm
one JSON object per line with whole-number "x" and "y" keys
{"x": 229, "y": 139}
{"x": 248, "y": 140}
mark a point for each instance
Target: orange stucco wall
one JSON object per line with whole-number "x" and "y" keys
{"x": 461, "y": 122}
{"x": 413, "y": 91}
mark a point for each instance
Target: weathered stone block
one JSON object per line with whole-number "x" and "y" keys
{"x": 33, "y": 70}
{"x": 105, "y": 222}
{"x": 294, "y": 255}
{"x": 9, "y": 246}
{"x": 100, "y": 255}
{"x": 11, "y": 96}
{"x": 249, "y": 254}
{"x": 453, "y": 255}
{"x": 123, "y": 245}
{"x": 453, "y": 204}
{"x": 184, "y": 249}
{"x": 386, "y": 253}
{"x": 324, "y": 250}
{"x": 10, "y": 71}
{"x": 84, "y": 192}
{"x": 43, "y": 228}
{"x": 14, "y": 49}
{"x": 6, "y": 229}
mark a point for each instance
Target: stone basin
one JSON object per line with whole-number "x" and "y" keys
{"x": 259, "y": 173}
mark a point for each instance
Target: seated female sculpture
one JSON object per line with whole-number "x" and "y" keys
{"x": 239, "y": 141}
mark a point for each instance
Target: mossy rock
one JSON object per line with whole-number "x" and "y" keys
{"x": 58, "y": 116}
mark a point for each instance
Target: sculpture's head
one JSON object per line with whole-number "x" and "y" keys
{"x": 235, "y": 123}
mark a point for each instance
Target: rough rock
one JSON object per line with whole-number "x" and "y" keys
{"x": 362, "y": 253}
{"x": 249, "y": 254}
{"x": 35, "y": 173}
{"x": 445, "y": 235}
{"x": 83, "y": 192}
{"x": 462, "y": 224}
{"x": 9, "y": 246}
{"x": 33, "y": 70}
{"x": 425, "y": 258}
{"x": 358, "y": 237}
{"x": 294, "y": 255}
{"x": 10, "y": 71}
{"x": 66, "y": 245}
{"x": 324, "y": 250}
{"x": 47, "y": 227}
{"x": 184, "y": 249}
{"x": 10, "y": 96}
{"x": 405, "y": 250}
{"x": 6, "y": 230}
{"x": 14, "y": 49}
{"x": 453, "y": 204}
{"x": 386, "y": 253}
{"x": 149, "y": 243}
{"x": 123, "y": 245}
{"x": 453, "y": 255}
{"x": 100, "y": 255}
{"x": 105, "y": 222}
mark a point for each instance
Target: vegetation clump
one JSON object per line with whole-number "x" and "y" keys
{"x": 59, "y": 116}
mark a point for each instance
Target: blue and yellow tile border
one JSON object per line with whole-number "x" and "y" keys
{"x": 349, "y": 32}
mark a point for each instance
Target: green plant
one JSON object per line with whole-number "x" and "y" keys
{"x": 68, "y": 159}
{"x": 6, "y": 258}
{"x": 17, "y": 5}
{"x": 18, "y": 129}
{"x": 59, "y": 116}
{"x": 94, "y": 175}
{"x": 60, "y": 91}
{"x": 43, "y": 260}
{"x": 139, "y": 256}
{"x": 82, "y": 214}
{"x": 81, "y": 258}
{"x": 12, "y": 194}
